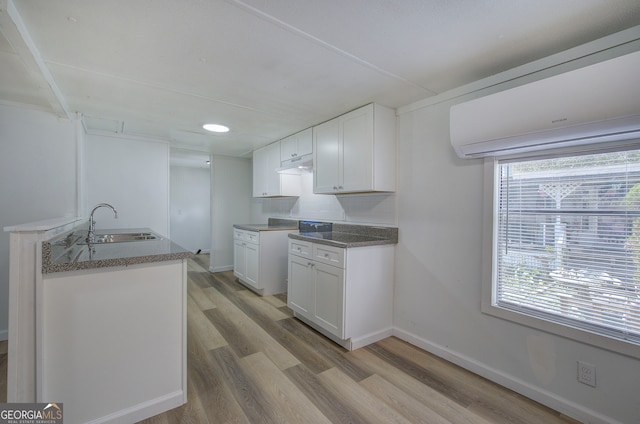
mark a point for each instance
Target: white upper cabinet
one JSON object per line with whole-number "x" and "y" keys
{"x": 266, "y": 181}
{"x": 356, "y": 152}
{"x": 326, "y": 139}
{"x": 296, "y": 147}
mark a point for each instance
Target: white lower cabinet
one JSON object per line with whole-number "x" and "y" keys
{"x": 260, "y": 260}
{"x": 328, "y": 294}
{"x": 239, "y": 258}
{"x": 345, "y": 293}
{"x": 252, "y": 255}
{"x": 299, "y": 294}
{"x": 245, "y": 258}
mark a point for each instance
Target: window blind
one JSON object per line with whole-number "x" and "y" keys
{"x": 568, "y": 241}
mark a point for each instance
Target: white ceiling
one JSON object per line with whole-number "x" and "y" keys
{"x": 269, "y": 68}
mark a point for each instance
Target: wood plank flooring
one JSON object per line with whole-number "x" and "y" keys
{"x": 250, "y": 361}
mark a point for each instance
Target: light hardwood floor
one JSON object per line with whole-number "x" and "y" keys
{"x": 250, "y": 361}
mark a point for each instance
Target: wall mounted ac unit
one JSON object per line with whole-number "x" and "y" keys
{"x": 596, "y": 104}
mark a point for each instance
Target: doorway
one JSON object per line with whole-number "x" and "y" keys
{"x": 190, "y": 199}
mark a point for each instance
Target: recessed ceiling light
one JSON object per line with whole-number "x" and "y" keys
{"x": 215, "y": 128}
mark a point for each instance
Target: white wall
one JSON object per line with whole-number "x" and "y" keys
{"x": 438, "y": 282}
{"x": 132, "y": 175}
{"x": 190, "y": 210}
{"x": 373, "y": 209}
{"x": 38, "y": 175}
{"x": 231, "y": 180}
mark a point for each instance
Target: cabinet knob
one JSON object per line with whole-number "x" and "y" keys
{"x": 335, "y": 188}
{"x": 339, "y": 187}
{"x": 326, "y": 255}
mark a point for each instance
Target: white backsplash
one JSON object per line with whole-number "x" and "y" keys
{"x": 376, "y": 208}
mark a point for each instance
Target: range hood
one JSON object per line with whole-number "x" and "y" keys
{"x": 297, "y": 166}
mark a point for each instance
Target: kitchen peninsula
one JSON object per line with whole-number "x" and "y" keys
{"x": 106, "y": 321}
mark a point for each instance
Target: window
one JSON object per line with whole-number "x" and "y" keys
{"x": 566, "y": 242}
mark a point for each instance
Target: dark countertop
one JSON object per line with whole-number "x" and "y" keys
{"x": 347, "y": 235}
{"x": 68, "y": 252}
{"x": 274, "y": 224}
{"x": 265, "y": 227}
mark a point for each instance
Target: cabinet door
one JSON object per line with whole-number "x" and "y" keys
{"x": 328, "y": 288}
{"x": 327, "y": 175}
{"x": 260, "y": 159}
{"x": 299, "y": 288}
{"x": 305, "y": 142}
{"x": 272, "y": 162}
{"x": 357, "y": 150}
{"x": 288, "y": 148}
{"x": 266, "y": 181}
{"x": 252, "y": 252}
{"x": 296, "y": 145}
{"x": 239, "y": 259}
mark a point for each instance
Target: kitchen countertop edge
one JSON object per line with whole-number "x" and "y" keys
{"x": 373, "y": 241}
{"x": 273, "y": 224}
{"x": 265, "y": 227}
{"x": 173, "y": 252}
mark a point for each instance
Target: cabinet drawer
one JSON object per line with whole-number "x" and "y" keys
{"x": 329, "y": 255}
{"x": 299, "y": 248}
{"x": 253, "y": 236}
{"x": 248, "y": 236}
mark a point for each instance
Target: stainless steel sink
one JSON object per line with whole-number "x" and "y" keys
{"x": 122, "y": 237}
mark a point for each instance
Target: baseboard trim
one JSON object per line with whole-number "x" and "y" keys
{"x": 371, "y": 338}
{"x": 220, "y": 268}
{"x": 351, "y": 343}
{"x": 144, "y": 410}
{"x": 544, "y": 397}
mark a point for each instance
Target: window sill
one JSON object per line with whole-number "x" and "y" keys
{"x": 608, "y": 343}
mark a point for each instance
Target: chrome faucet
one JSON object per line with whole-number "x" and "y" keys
{"x": 91, "y": 237}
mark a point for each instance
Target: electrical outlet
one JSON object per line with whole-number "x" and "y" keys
{"x": 587, "y": 373}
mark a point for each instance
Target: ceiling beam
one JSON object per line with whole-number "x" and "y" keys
{"x": 15, "y": 30}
